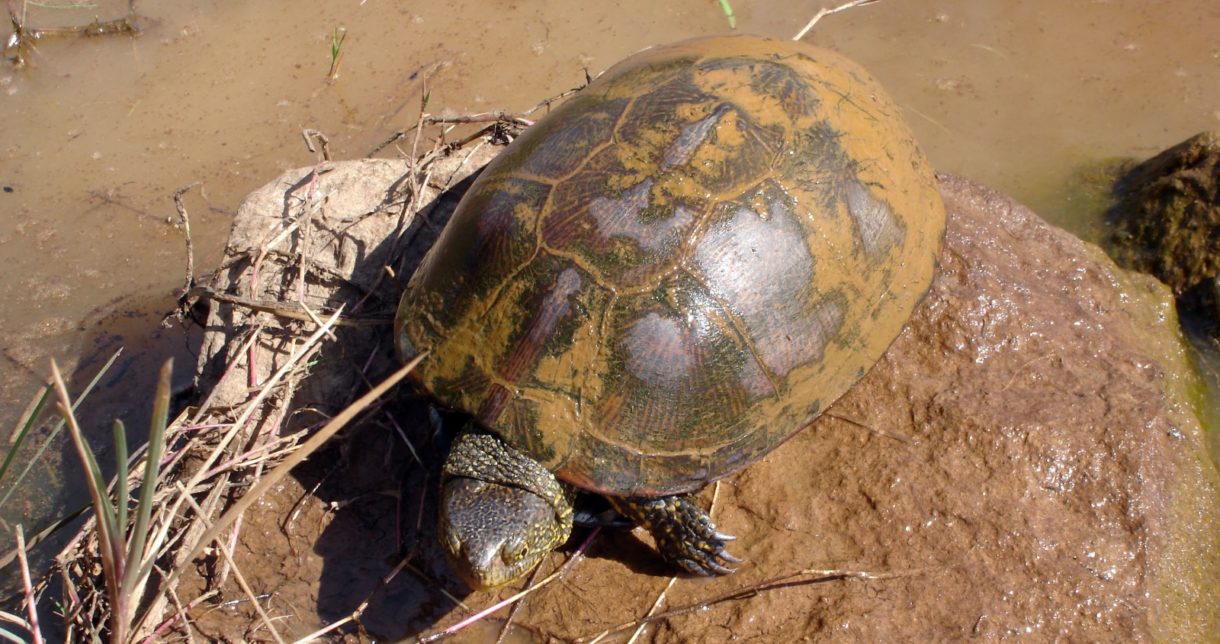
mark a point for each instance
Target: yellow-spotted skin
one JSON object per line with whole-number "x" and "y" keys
{"x": 501, "y": 512}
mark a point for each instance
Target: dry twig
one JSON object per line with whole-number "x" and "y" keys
{"x": 656, "y": 604}
{"x": 306, "y": 448}
{"x": 826, "y": 12}
{"x": 241, "y": 579}
{"x": 288, "y": 310}
{"x": 31, "y": 599}
{"x": 576, "y": 557}
{"x": 851, "y": 421}
{"x": 798, "y": 578}
{"x": 185, "y": 220}
{"x": 24, "y": 36}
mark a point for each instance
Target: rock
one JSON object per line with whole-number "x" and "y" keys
{"x": 1167, "y": 223}
{"x": 353, "y": 221}
{"x": 1023, "y": 461}
{"x": 1023, "y": 456}
{"x": 357, "y": 226}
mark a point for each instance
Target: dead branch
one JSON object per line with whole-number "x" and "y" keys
{"x": 826, "y": 12}
{"x": 22, "y": 40}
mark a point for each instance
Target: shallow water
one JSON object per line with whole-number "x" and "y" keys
{"x": 101, "y": 131}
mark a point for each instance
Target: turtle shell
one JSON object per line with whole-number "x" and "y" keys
{"x": 681, "y": 266}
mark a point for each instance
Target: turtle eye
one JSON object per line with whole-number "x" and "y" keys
{"x": 514, "y": 550}
{"x": 452, "y": 543}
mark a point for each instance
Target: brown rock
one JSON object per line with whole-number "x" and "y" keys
{"x": 1022, "y": 456}
{"x": 1167, "y": 223}
{"x": 1023, "y": 461}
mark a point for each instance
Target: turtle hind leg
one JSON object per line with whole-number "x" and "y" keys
{"x": 685, "y": 534}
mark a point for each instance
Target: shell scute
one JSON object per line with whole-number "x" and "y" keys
{"x": 569, "y": 141}
{"x": 621, "y": 231}
{"x": 672, "y": 371}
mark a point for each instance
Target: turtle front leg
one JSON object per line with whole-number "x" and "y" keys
{"x": 685, "y": 534}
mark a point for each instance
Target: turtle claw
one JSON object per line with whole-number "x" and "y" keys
{"x": 684, "y": 533}
{"x": 705, "y": 568}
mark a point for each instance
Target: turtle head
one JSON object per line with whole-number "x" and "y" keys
{"x": 501, "y": 511}
{"x": 496, "y": 533}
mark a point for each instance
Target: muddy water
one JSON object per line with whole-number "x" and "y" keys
{"x": 100, "y": 132}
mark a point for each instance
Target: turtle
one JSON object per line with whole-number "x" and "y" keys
{"x": 659, "y": 282}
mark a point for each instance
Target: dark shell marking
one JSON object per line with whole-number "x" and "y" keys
{"x": 680, "y": 267}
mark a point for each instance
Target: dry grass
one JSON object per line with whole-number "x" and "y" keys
{"x": 120, "y": 576}
{"x": 184, "y": 512}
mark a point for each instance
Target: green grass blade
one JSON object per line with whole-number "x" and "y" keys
{"x": 120, "y": 477}
{"x": 93, "y": 478}
{"x": 26, "y": 425}
{"x": 97, "y": 480}
{"x": 58, "y": 428}
{"x": 728, "y": 13}
{"x": 11, "y": 555}
{"x": 336, "y": 43}
{"x": 12, "y": 637}
{"x": 152, "y": 465}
